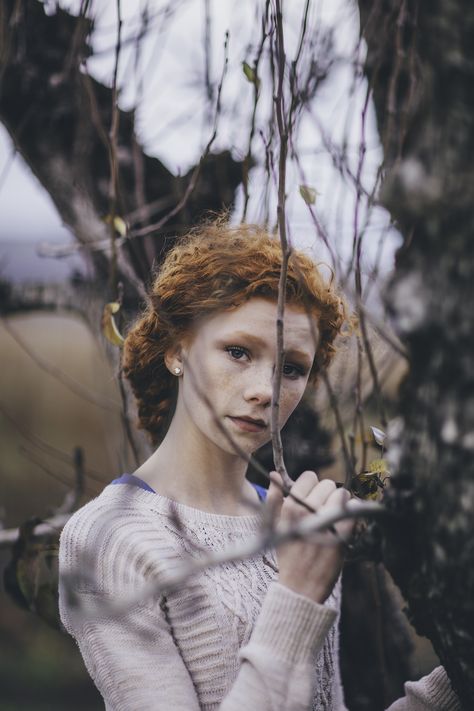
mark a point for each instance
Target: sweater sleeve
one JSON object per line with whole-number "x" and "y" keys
{"x": 136, "y": 665}
{"x": 278, "y": 664}
{"x": 132, "y": 659}
{"x": 431, "y": 693}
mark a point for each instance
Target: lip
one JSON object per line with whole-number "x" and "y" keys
{"x": 249, "y": 424}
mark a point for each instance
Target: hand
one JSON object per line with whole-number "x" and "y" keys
{"x": 306, "y": 566}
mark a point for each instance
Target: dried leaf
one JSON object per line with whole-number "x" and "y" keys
{"x": 379, "y": 435}
{"x": 109, "y": 327}
{"x": 370, "y": 483}
{"x": 365, "y": 486}
{"x": 308, "y": 194}
{"x": 31, "y": 577}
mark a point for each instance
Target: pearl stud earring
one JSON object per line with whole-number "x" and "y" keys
{"x": 177, "y": 371}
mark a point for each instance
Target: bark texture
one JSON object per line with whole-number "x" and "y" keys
{"x": 421, "y": 64}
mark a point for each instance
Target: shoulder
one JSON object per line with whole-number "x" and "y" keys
{"x": 116, "y": 537}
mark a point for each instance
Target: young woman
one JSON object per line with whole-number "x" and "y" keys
{"x": 258, "y": 633}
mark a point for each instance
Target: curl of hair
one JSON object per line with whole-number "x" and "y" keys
{"x": 214, "y": 268}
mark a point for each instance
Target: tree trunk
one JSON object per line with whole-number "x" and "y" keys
{"x": 422, "y": 74}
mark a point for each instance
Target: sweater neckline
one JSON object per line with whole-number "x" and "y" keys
{"x": 129, "y": 494}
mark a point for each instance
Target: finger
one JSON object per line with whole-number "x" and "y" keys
{"x": 320, "y": 493}
{"x": 275, "y": 493}
{"x": 347, "y": 525}
{"x": 337, "y": 498}
{"x": 340, "y": 499}
{"x": 304, "y": 484}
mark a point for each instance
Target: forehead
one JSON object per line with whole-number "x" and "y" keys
{"x": 257, "y": 317}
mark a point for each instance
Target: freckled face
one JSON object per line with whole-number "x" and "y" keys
{"x": 231, "y": 358}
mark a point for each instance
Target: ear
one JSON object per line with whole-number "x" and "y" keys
{"x": 174, "y": 358}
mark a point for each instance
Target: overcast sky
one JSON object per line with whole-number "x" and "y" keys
{"x": 173, "y": 115}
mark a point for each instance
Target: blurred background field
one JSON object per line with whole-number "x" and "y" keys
{"x": 41, "y": 410}
{"x": 41, "y": 669}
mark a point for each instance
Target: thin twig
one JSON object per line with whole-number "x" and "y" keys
{"x": 55, "y": 523}
{"x": 44, "y": 468}
{"x": 248, "y": 458}
{"x": 113, "y": 160}
{"x": 277, "y": 444}
{"x": 207, "y": 52}
{"x": 321, "y": 232}
{"x": 256, "y": 96}
{"x": 46, "y": 447}
{"x": 340, "y": 429}
{"x": 332, "y": 396}
{"x": 373, "y": 368}
{"x": 194, "y": 178}
{"x": 67, "y": 380}
{"x": 73, "y": 498}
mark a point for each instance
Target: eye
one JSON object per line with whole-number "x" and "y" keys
{"x": 293, "y": 371}
{"x": 237, "y": 352}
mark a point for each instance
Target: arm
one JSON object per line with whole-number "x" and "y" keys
{"x": 431, "y": 693}
{"x": 136, "y": 665}
{"x": 132, "y": 660}
{"x": 278, "y": 663}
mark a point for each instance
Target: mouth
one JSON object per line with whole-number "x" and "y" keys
{"x": 249, "y": 424}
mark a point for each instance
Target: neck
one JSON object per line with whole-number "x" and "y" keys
{"x": 190, "y": 469}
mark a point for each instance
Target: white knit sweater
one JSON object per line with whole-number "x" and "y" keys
{"x": 233, "y": 638}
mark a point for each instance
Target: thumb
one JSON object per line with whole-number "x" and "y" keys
{"x": 275, "y": 494}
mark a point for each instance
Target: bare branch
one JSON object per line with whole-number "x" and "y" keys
{"x": 114, "y": 176}
{"x": 284, "y": 488}
{"x": 256, "y": 96}
{"x": 194, "y": 178}
{"x": 265, "y": 539}
{"x": 285, "y": 249}
{"x": 46, "y": 528}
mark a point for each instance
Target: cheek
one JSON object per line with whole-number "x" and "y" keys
{"x": 207, "y": 383}
{"x": 290, "y": 397}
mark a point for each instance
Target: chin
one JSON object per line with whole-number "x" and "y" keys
{"x": 245, "y": 444}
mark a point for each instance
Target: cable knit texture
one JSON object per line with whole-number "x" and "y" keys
{"x": 231, "y": 638}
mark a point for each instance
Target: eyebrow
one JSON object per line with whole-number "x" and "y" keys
{"x": 250, "y": 337}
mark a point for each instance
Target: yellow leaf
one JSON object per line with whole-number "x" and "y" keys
{"x": 119, "y": 224}
{"x": 250, "y": 74}
{"x": 308, "y": 194}
{"x": 109, "y": 327}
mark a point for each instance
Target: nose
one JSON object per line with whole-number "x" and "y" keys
{"x": 258, "y": 388}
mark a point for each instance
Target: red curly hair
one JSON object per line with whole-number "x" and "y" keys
{"x": 214, "y": 268}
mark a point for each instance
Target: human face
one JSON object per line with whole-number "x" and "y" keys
{"x": 231, "y": 359}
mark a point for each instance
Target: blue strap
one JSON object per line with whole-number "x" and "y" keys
{"x": 136, "y": 481}
{"x": 262, "y": 493}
